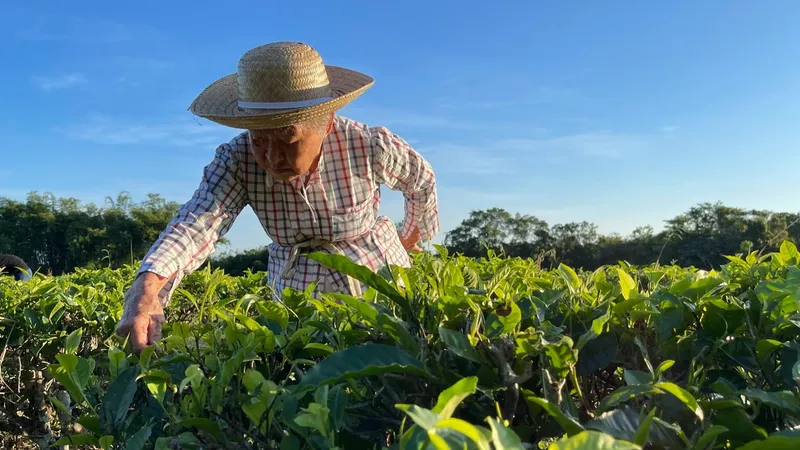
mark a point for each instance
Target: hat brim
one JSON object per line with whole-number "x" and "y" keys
{"x": 219, "y": 102}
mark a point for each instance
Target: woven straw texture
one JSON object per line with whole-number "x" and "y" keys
{"x": 279, "y": 72}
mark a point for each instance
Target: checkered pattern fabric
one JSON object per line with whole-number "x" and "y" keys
{"x": 338, "y": 203}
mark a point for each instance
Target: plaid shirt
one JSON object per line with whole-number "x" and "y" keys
{"x": 338, "y": 203}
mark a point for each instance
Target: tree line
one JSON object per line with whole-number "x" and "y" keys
{"x": 700, "y": 237}
{"x": 57, "y": 235}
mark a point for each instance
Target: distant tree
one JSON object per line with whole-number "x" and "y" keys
{"x": 236, "y": 264}
{"x": 499, "y": 230}
{"x": 700, "y": 237}
{"x": 59, "y": 234}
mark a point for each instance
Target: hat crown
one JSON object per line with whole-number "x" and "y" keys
{"x": 282, "y": 72}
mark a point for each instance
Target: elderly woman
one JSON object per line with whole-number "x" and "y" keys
{"x": 312, "y": 177}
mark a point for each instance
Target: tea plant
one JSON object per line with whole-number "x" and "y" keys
{"x": 453, "y": 352}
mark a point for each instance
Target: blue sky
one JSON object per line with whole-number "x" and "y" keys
{"x": 619, "y": 113}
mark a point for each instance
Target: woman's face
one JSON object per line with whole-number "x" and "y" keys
{"x": 287, "y": 152}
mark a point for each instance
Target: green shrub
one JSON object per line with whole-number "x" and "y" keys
{"x": 452, "y": 353}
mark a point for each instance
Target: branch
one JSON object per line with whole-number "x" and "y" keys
{"x": 510, "y": 379}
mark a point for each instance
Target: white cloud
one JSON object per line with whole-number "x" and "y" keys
{"x": 179, "y": 132}
{"x": 464, "y": 160}
{"x": 603, "y": 143}
{"x": 668, "y": 129}
{"x": 509, "y": 155}
{"x": 60, "y": 82}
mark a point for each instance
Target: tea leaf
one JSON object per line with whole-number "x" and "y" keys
{"x": 570, "y": 425}
{"x": 359, "y": 361}
{"x": 450, "y": 398}
{"x": 592, "y": 440}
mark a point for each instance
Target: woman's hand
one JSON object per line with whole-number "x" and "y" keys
{"x": 142, "y": 315}
{"x": 411, "y": 244}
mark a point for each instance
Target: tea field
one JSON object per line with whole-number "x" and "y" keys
{"x": 454, "y": 352}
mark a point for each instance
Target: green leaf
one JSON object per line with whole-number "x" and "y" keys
{"x": 738, "y": 423}
{"x": 701, "y": 287}
{"x": 73, "y": 341}
{"x": 343, "y": 264}
{"x": 106, "y": 442}
{"x": 626, "y": 284}
{"x": 643, "y": 432}
{"x": 595, "y": 330}
{"x": 145, "y": 355}
{"x": 570, "y": 425}
{"x": 592, "y": 440}
{"x": 663, "y": 367}
{"x": 60, "y": 373}
{"x": 223, "y": 379}
{"x": 724, "y": 387}
{"x": 634, "y": 377}
{"x": 708, "y": 436}
{"x": 503, "y": 438}
{"x": 774, "y": 443}
{"x": 789, "y": 253}
{"x": 626, "y": 306}
{"x": 91, "y": 422}
{"x": 684, "y": 396}
{"x": 765, "y": 348}
{"x": 76, "y": 439}
{"x": 185, "y": 440}
{"x": 450, "y": 398}
{"x": 389, "y": 325}
{"x": 156, "y": 381}
{"x": 625, "y": 394}
{"x": 116, "y": 362}
{"x": 422, "y": 417}
{"x": 276, "y": 312}
{"x": 316, "y": 417}
{"x": 262, "y": 390}
{"x": 188, "y": 441}
{"x": 206, "y": 425}
{"x": 163, "y": 443}
{"x": 118, "y": 398}
{"x": 359, "y": 361}
{"x": 78, "y": 368}
{"x": 503, "y": 321}
{"x": 570, "y": 277}
{"x": 337, "y": 404}
{"x": 59, "y": 405}
{"x": 290, "y": 443}
{"x": 643, "y": 349}
{"x": 786, "y": 401}
{"x": 464, "y": 428}
{"x": 626, "y": 423}
{"x": 562, "y": 355}
{"x": 318, "y": 349}
{"x": 470, "y": 277}
{"x": 139, "y": 440}
{"x": 458, "y": 343}
{"x": 598, "y": 353}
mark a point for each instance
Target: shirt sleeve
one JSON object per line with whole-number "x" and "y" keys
{"x": 190, "y": 237}
{"x": 401, "y": 168}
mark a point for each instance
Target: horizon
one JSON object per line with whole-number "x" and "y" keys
{"x": 616, "y": 114}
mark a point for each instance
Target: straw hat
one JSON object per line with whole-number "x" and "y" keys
{"x": 279, "y": 84}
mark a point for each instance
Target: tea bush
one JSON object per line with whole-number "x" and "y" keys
{"x": 454, "y": 352}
